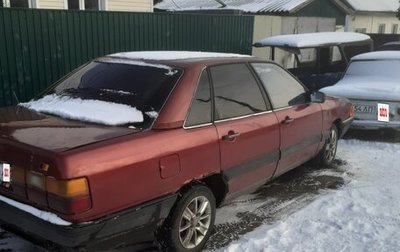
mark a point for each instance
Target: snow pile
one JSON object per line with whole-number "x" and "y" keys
{"x": 46, "y": 216}
{"x": 173, "y": 55}
{"x": 138, "y": 63}
{"x": 95, "y": 111}
{"x": 362, "y": 216}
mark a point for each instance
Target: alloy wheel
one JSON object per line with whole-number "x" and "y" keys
{"x": 195, "y": 222}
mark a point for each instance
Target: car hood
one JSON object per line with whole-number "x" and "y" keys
{"x": 366, "y": 88}
{"x": 18, "y": 124}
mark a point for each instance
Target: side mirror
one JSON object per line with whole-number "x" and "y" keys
{"x": 317, "y": 97}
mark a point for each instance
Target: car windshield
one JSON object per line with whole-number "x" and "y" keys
{"x": 383, "y": 68}
{"x": 112, "y": 87}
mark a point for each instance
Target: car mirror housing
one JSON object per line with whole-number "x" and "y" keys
{"x": 317, "y": 97}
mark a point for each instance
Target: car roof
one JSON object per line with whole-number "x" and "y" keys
{"x": 379, "y": 55}
{"x": 317, "y": 39}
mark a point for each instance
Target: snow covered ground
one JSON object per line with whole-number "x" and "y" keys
{"x": 363, "y": 215}
{"x": 353, "y": 206}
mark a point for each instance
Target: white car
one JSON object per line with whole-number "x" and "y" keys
{"x": 372, "y": 83}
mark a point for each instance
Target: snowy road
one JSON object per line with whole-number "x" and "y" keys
{"x": 351, "y": 206}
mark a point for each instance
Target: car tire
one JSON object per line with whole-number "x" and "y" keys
{"x": 328, "y": 152}
{"x": 190, "y": 222}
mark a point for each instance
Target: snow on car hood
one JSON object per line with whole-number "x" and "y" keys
{"x": 371, "y": 88}
{"x": 94, "y": 111}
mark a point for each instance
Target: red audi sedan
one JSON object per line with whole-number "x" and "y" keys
{"x": 145, "y": 146}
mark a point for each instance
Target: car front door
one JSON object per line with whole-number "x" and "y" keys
{"x": 247, "y": 128}
{"x": 300, "y": 120}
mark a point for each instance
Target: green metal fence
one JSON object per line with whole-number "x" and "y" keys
{"x": 37, "y": 47}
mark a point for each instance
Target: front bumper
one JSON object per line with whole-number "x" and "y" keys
{"x": 375, "y": 125}
{"x": 140, "y": 222}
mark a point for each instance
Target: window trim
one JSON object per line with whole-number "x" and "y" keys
{"x": 382, "y": 28}
{"x": 243, "y": 117}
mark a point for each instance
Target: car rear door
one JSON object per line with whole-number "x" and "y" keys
{"x": 248, "y": 130}
{"x": 300, "y": 120}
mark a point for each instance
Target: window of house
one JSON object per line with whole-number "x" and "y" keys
{"x": 16, "y": 3}
{"x": 395, "y": 29}
{"x": 236, "y": 92}
{"x": 381, "y": 28}
{"x": 73, "y": 4}
{"x": 91, "y": 4}
{"x": 19, "y": 3}
{"x": 361, "y": 30}
{"x": 200, "y": 110}
{"x": 84, "y": 4}
{"x": 282, "y": 88}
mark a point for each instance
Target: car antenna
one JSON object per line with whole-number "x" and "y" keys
{"x": 15, "y": 96}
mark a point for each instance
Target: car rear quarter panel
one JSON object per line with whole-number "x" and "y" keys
{"x": 334, "y": 110}
{"x": 126, "y": 172}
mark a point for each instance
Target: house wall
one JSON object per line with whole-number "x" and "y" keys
{"x": 129, "y": 5}
{"x": 111, "y": 5}
{"x": 265, "y": 26}
{"x": 370, "y": 23}
{"x": 50, "y": 4}
{"x": 325, "y": 9}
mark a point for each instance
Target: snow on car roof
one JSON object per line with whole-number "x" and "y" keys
{"x": 174, "y": 55}
{"x": 312, "y": 39}
{"x": 380, "y": 55}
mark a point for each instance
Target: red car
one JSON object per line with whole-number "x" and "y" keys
{"x": 145, "y": 145}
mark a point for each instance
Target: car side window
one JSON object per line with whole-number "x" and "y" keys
{"x": 236, "y": 91}
{"x": 200, "y": 110}
{"x": 283, "y": 89}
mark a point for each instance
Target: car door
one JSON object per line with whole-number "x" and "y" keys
{"x": 300, "y": 120}
{"x": 248, "y": 130}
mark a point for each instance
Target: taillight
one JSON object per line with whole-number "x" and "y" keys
{"x": 68, "y": 196}
{"x": 67, "y": 188}
{"x": 36, "y": 180}
{"x": 65, "y": 196}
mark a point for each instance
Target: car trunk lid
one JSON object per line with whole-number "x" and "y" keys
{"x": 50, "y": 133}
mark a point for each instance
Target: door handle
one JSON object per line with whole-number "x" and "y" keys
{"x": 231, "y": 136}
{"x": 287, "y": 120}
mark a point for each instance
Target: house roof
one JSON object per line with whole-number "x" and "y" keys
{"x": 371, "y": 5}
{"x": 252, "y": 6}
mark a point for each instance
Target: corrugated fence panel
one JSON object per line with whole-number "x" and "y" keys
{"x": 37, "y": 47}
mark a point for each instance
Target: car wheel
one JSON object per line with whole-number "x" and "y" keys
{"x": 328, "y": 152}
{"x": 190, "y": 222}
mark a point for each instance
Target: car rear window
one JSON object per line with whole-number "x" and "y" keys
{"x": 143, "y": 86}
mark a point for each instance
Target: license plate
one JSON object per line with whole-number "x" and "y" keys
{"x": 367, "y": 109}
{"x": 5, "y": 174}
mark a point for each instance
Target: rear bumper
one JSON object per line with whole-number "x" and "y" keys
{"x": 375, "y": 125}
{"x": 140, "y": 222}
